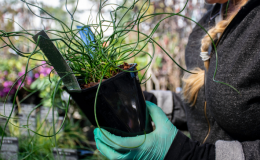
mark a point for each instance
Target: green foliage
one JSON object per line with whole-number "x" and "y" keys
{"x": 73, "y": 136}
{"x": 2, "y": 132}
{"x": 45, "y": 86}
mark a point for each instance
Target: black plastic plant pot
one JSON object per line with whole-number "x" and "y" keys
{"x": 120, "y": 104}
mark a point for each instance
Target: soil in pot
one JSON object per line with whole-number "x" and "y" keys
{"x": 124, "y": 66}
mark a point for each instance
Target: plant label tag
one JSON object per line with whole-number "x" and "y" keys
{"x": 29, "y": 122}
{"x": 65, "y": 154}
{"x": 26, "y": 109}
{"x": 88, "y": 37}
{"x": 46, "y": 113}
{"x": 9, "y": 148}
{"x": 5, "y": 109}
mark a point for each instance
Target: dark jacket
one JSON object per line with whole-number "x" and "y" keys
{"x": 234, "y": 118}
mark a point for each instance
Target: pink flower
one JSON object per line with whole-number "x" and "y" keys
{"x": 21, "y": 73}
{"x": 2, "y": 94}
{"x": 41, "y": 69}
{"x": 7, "y": 84}
{"x": 18, "y": 84}
{"x": 29, "y": 81}
{"x": 36, "y": 75}
{"x": 48, "y": 70}
{"x": 12, "y": 91}
{"x": 6, "y": 90}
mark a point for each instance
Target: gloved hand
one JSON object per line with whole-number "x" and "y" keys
{"x": 155, "y": 147}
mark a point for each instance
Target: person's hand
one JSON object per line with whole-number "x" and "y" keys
{"x": 155, "y": 147}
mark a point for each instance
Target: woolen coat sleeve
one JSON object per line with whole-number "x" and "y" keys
{"x": 183, "y": 148}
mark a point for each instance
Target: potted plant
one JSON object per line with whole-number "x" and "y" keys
{"x": 119, "y": 103}
{"x": 110, "y": 93}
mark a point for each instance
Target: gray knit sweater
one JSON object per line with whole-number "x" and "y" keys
{"x": 234, "y": 118}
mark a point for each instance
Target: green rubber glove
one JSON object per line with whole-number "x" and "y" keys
{"x": 155, "y": 147}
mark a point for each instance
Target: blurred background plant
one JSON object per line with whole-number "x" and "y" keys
{"x": 172, "y": 35}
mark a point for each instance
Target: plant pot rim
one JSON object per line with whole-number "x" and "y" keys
{"x": 106, "y": 81}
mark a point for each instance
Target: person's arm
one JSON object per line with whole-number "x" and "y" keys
{"x": 165, "y": 142}
{"x": 184, "y": 148}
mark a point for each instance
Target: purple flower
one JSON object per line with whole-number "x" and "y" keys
{"x": 18, "y": 84}
{"x": 41, "y": 69}
{"x": 29, "y": 81}
{"x": 7, "y": 84}
{"x": 48, "y": 70}
{"x": 6, "y": 90}
{"x": 20, "y": 74}
{"x": 1, "y": 94}
{"x": 12, "y": 91}
{"x": 36, "y": 75}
